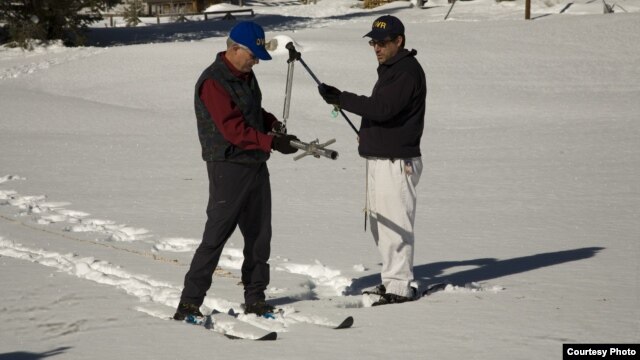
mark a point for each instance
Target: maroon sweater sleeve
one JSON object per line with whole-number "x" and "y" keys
{"x": 228, "y": 119}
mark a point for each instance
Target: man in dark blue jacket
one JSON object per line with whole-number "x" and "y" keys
{"x": 389, "y": 140}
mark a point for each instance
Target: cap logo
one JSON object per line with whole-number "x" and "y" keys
{"x": 380, "y": 25}
{"x": 260, "y": 42}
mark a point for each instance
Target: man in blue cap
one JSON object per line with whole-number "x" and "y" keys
{"x": 389, "y": 140}
{"x": 237, "y": 136}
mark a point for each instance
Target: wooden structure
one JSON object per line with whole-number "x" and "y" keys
{"x": 228, "y": 14}
{"x": 368, "y": 4}
{"x": 161, "y": 7}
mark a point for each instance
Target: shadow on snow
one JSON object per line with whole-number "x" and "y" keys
{"x": 202, "y": 29}
{"x": 23, "y": 355}
{"x": 485, "y": 269}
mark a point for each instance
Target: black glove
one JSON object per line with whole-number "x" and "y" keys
{"x": 282, "y": 144}
{"x": 330, "y": 94}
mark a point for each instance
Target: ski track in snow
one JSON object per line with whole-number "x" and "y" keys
{"x": 325, "y": 281}
{"x": 151, "y": 292}
{"x": 45, "y": 58}
{"x": 102, "y": 272}
{"x": 44, "y": 213}
{"x": 320, "y": 280}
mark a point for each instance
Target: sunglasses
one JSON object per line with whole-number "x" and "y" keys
{"x": 381, "y": 43}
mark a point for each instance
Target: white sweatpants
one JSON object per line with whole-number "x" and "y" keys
{"x": 391, "y": 194}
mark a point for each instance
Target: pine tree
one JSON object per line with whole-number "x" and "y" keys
{"x": 45, "y": 20}
{"x": 132, "y": 13}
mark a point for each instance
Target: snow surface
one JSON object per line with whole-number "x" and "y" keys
{"x": 529, "y": 203}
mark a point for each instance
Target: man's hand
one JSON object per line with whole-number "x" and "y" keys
{"x": 330, "y": 94}
{"x": 282, "y": 144}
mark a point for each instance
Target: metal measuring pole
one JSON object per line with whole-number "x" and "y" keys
{"x": 287, "y": 92}
{"x": 295, "y": 55}
{"x": 313, "y": 148}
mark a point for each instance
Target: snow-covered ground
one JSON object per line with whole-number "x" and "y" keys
{"x": 529, "y": 202}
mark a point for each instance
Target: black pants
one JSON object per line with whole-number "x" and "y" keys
{"x": 239, "y": 195}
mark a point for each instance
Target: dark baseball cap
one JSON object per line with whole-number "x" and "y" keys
{"x": 384, "y": 27}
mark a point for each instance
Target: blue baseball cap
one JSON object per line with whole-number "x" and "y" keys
{"x": 251, "y": 35}
{"x": 384, "y": 27}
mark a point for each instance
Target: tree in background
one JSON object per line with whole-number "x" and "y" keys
{"x": 131, "y": 14}
{"x": 45, "y": 20}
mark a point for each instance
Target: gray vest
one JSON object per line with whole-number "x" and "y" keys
{"x": 247, "y": 96}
